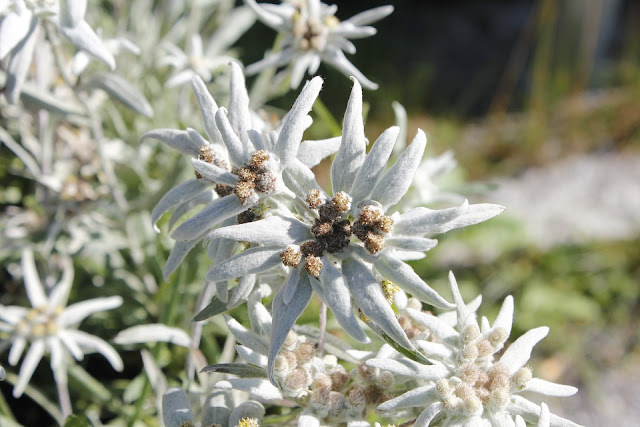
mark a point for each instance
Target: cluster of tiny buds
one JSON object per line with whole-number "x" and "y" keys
{"x": 330, "y": 230}
{"x": 475, "y": 389}
{"x": 475, "y": 346}
{"x": 413, "y": 329}
{"x": 311, "y": 33}
{"x": 254, "y": 177}
{"x": 371, "y": 227}
{"x": 38, "y": 322}
{"x": 291, "y": 366}
{"x": 376, "y": 384}
{"x": 208, "y": 155}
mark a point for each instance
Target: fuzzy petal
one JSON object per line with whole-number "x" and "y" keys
{"x": 216, "y": 212}
{"x": 429, "y": 414}
{"x": 246, "y": 337}
{"x": 294, "y": 124}
{"x": 548, "y": 388}
{"x": 411, "y": 243}
{"x": 374, "y": 164}
{"x": 177, "y": 139}
{"x": 251, "y": 261}
{"x": 417, "y": 397}
{"x": 178, "y": 254}
{"x": 239, "y": 113}
{"x": 13, "y": 29}
{"x": 284, "y": 317}
{"x": 504, "y": 320}
{"x": 153, "y": 333}
{"x": 29, "y": 364}
{"x": 310, "y": 153}
{"x": 300, "y": 179}
{"x": 93, "y": 343}
{"x": 409, "y": 368}
{"x": 403, "y": 275}
{"x": 367, "y": 294}
{"x": 370, "y": 16}
{"x": 246, "y": 410}
{"x": 531, "y": 412}
{"x": 252, "y": 357}
{"x": 20, "y": 62}
{"x": 336, "y": 296}
{"x": 395, "y": 183}
{"x": 242, "y": 290}
{"x": 214, "y": 173}
{"x": 351, "y": 153}
{"x": 439, "y": 328}
{"x": 176, "y": 409}
{"x": 257, "y": 387}
{"x": 234, "y": 145}
{"x": 83, "y": 36}
{"x": 271, "y": 231}
{"x": 35, "y": 291}
{"x": 77, "y": 312}
{"x": 208, "y": 108}
{"x": 465, "y": 316}
{"x": 519, "y": 352}
{"x": 337, "y": 59}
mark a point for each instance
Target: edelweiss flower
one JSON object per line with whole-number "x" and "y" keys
{"x": 345, "y": 247}
{"x": 19, "y": 33}
{"x": 244, "y": 166}
{"x": 49, "y": 326}
{"x": 218, "y": 410}
{"x": 322, "y": 388}
{"x": 313, "y": 35}
{"x": 190, "y": 63}
{"x": 466, "y": 385}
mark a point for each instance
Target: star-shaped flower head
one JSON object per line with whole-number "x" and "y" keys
{"x": 467, "y": 384}
{"x": 242, "y": 165}
{"x": 51, "y": 327}
{"x": 345, "y": 247}
{"x": 201, "y": 61}
{"x": 20, "y": 29}
{"x": 325, "y": 392}
{"x": 218, "y": 410}
{"x": 313, "y": 35}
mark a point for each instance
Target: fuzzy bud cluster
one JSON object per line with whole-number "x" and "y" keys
{"x": 208, "y": 155}
{"x": 254, "y": 177}
{"x": 331, "y": 231}
{"x": 371, "y": 227}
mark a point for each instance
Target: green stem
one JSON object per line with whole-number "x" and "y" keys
{"x": 5, "y": 410}
{"x": 325, "y": 115}
{"x": 39, "y": 398}
{"x": 167, "y": 319}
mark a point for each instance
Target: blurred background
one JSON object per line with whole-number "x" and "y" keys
{"x": 540, "y": 103}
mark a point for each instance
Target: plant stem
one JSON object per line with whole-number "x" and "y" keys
{"x": 325, "y": 115}
{"x": 63, "y": 397}
{"x": 39, "y": 398}
{"x": 323, "y": 327}
{"x": 167, "y": 319}
{"x": 5, "y": 410}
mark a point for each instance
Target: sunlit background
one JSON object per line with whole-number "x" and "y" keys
{"x": 539, "y": 101}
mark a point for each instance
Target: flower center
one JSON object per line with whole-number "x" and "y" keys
{"x": 39, "y": 322}
{"x": 255, "y": 177}
{"x": 331, "y": 231}
{"x": 310, "y": 33}
{"x": 371, "y": 227}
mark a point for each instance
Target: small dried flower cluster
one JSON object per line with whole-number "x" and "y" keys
{"x": 371, "y": 227}
{"x": 254, "y": 177}
{"x": 267, "y": 225}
